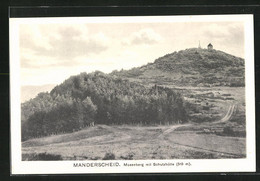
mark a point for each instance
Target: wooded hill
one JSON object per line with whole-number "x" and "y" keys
{"x": 101, "y": 99}
{"x": 191, "y": 67}
{"x": 123, "y": 97}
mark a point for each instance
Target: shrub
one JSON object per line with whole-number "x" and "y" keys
{"x": 127, "y": 157}
{"x": 228, "y": 131}
{"x": 206, "y": 108}
{"x": 109, "y": 156}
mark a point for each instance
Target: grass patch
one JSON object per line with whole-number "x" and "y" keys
{"x": 41, "y": 156}
{"x": 192, "y": 154}
{"x": 63, "y": 138}
{"x": 210, "y": 142}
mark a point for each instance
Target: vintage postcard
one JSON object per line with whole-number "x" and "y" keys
{"x": 136, "y": 94}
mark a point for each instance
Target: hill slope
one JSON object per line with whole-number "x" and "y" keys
{"x": 193, "y": 67}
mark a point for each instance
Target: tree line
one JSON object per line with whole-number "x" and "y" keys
{"x": 101, "y": 99}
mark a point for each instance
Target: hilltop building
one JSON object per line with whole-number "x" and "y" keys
{"x": 210, "y": 46}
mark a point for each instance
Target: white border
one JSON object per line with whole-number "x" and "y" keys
{"x": 199, "y": 165}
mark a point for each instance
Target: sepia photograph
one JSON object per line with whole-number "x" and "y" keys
{"x": 132, "y": 94}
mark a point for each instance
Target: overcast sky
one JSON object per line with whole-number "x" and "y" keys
{"x": 50, "y": 53}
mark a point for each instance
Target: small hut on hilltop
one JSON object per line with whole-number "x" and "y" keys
{"x": 210, "y": 46}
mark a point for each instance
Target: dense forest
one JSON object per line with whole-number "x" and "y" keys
{"x": 99, "y": 98}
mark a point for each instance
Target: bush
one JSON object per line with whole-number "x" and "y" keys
{"x": 228, "y": 131}
{"x": 206, "y": 108}
{"x": 109, "y": 156}
{"x": 127, "y": 157}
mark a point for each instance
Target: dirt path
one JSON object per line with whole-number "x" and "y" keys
{"x": 226, "y": 118}
{"x": 117, "y": 136}
{"x": 229, "y": 114}
{"x": 172, "y": 128}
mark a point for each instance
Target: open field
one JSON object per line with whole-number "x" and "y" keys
{"x": 221, "y": 136}
{"x": 126, "y": 142}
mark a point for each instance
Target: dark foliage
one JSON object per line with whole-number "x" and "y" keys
{"x": 109, "y": 156}
{"x": 228, "y": 130}
{"x": 99, "y": 98}
{"x": 127, "y": 157}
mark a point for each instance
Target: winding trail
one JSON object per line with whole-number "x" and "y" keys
{"x": 171, "y": 129}
{"x": 226, "y": 118}
{"x": 229, "y": 114}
